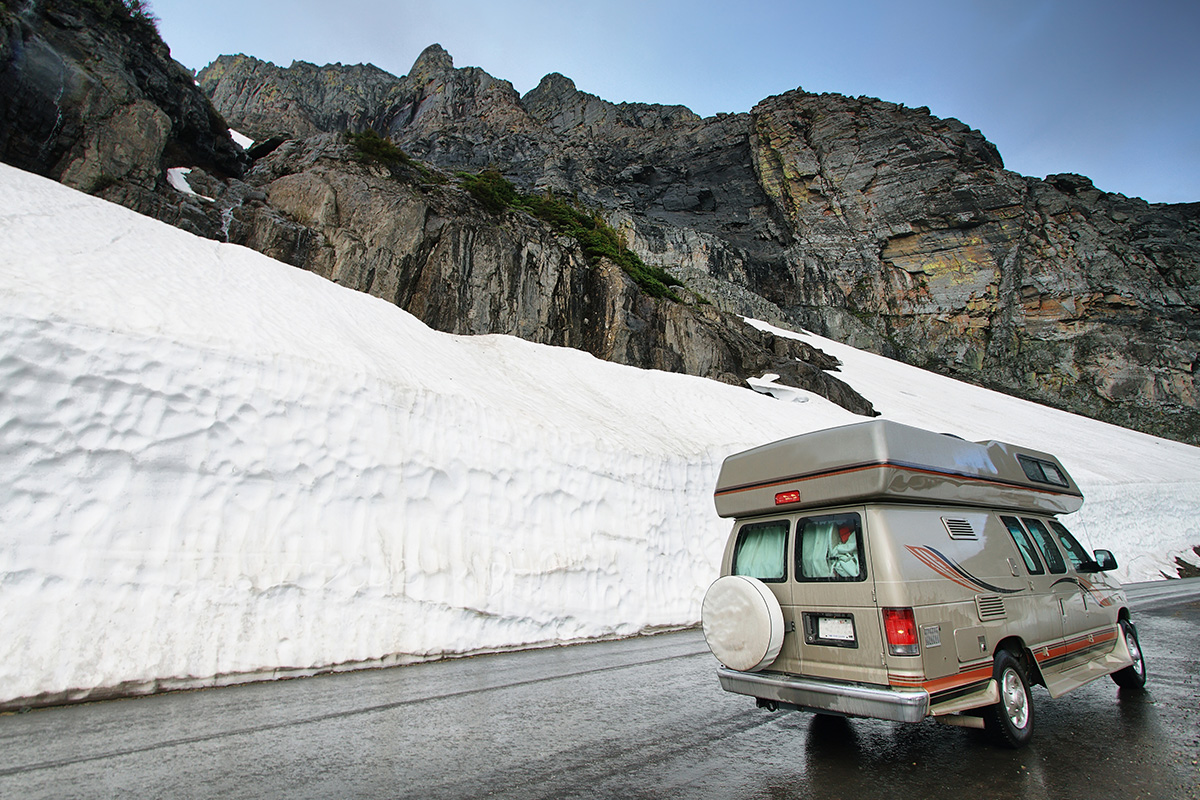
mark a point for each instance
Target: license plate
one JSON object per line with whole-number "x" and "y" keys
{"x": 840, "y": 629}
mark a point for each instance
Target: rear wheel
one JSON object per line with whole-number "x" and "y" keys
{"x": 1010, "y": 721}
{"x": 1133, "y": 676}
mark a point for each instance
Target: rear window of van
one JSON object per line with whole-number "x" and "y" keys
{"x": 761, "y": 551}
{"x": 830, "y": 548}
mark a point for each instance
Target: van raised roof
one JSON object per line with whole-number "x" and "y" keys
{"x": 884, "y": 460}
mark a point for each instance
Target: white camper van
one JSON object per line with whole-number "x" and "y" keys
{"x": 880, "y": 570}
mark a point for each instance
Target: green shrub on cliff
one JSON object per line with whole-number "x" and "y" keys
{"x": 596, "y": 237}
{"x": 372, "y": 148}
{"x": 140, "y": 11}
{"x": 137, "y": 11}
{"x": 491, "y": 190}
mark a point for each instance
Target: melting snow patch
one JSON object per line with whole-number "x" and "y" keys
{"x": 243, "y": 141}
{"x": 767, "y": 385}
{"x": 177, "y": 177}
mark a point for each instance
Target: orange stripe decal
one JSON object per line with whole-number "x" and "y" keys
{"x": 923, "y": 470}
{"x": 936, "y": 685}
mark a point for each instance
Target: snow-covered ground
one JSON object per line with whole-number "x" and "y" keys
{"x": 215, "y": 466}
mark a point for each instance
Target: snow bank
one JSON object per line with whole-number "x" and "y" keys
{"x": 213, "y": 466}
{"x": 212, "y": 463}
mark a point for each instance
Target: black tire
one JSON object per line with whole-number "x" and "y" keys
{"x": 1010, "y": 721}
{"x": 1133, "y": 676}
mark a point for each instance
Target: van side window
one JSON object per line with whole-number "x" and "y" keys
{"x": 830, "y": 548}
{"x": 1024, "y": 545}
{"x": 761, "y": 551}
{"x": 1040, "y": 535}
{"x": 1079, "y": 557}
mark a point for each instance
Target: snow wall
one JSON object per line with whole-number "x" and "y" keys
{"x": 215, "y": 467}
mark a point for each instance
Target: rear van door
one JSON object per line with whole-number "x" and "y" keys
{"x": 838, "y": 633}
{"x": 761, "y": 548}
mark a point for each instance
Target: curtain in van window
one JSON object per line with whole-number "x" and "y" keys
{"x": 830, "y": 548}
{"x": 762, "y": 551}
{"x": 815, "y": 544}
{"x": 843, "y": 557}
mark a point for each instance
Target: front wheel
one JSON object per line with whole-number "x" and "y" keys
{"x": 1133, "y": 676}
{"x": 1010, "y": 721}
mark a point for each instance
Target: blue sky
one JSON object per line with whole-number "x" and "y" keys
{"x": 1104, "y": 88}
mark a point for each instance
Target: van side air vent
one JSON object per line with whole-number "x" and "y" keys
{"x": 990, "y": 607}
{"x": 959, "y": 528}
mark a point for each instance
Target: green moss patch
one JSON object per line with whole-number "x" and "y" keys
{"x": 596, "y": 237}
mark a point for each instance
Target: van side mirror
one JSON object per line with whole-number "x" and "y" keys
{"x": 1105, "y": 561}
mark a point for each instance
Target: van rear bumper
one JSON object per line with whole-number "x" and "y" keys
{"x": 830, "y": 697}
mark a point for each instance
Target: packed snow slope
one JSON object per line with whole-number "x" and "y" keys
{"x": 214, "y": 466}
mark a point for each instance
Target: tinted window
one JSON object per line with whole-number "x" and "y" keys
{"x": 1046, "y": 544}
{"x": 830, "y": 548}
{"x": 1053, "y": 474}
{"x": 1024, "y": 545}
{"x": 1079, "y": 557}
{"x": 761, "y": 551}
{"x": 1042, "y": 471}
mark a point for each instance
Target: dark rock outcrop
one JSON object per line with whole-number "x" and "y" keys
{"x": 90, "y": 96}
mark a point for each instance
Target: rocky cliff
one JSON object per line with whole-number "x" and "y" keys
{"x": 865, "y": 220}
{"x": 413, "y": 237}
{"x": 90, "y": 96}
{"x": 1047, "y": 288}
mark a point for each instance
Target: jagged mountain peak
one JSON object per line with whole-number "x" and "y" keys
{"x": 555, "y": 84}
{"x": 433, "y": 62}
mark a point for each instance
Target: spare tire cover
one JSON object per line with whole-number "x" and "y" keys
{"x": 743, "y": 623}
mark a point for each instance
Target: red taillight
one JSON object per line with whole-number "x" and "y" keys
{"x": 901, "y": 628}
{"x": 783, "y": 498}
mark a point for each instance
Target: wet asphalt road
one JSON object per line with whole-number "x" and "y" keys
{"x": 642, "y": 718}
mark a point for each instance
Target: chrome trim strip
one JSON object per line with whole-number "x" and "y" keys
{"x": 852, "y": 700}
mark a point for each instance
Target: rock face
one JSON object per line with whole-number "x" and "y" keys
{"x": 877, "y": 224}
{"x": 1048, "y": 288}
{"x": 302, "y": 100}
{"x": 433, "y": 250}
{"x": 90, "y": 96}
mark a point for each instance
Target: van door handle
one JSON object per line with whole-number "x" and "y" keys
{"x": 1062, "y": 609}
